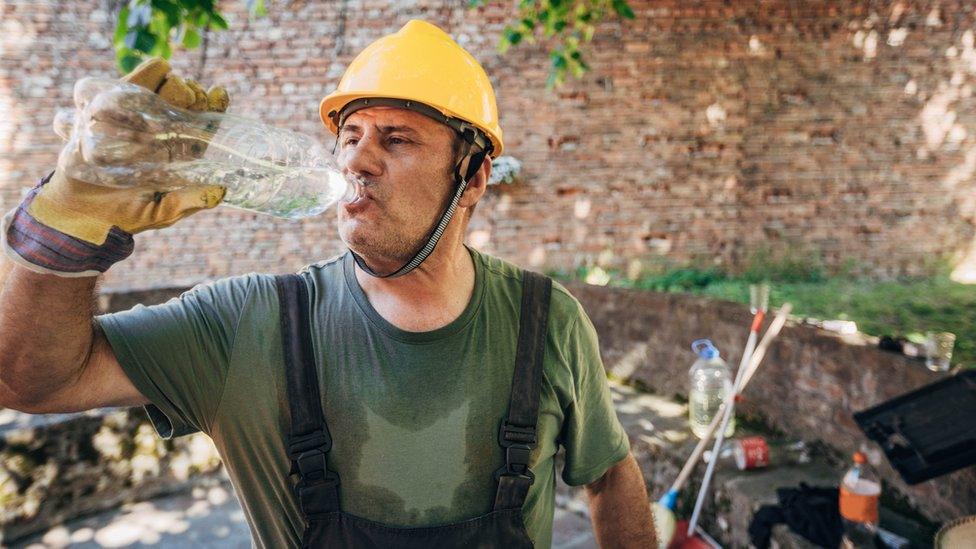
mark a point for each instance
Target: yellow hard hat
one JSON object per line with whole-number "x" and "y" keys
{"x": 421, "y": 64}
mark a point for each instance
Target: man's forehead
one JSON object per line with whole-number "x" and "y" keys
{"x": 385, "y": 117}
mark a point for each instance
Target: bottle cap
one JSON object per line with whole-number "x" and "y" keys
{"x": 704, "y": 349}
{"x": 860, "y": 457}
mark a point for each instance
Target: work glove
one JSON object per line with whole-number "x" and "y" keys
{"x": 72, "y": 224}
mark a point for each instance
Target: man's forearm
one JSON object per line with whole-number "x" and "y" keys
{"x": 619, "y": 508}
{"x": 45, "y": 332}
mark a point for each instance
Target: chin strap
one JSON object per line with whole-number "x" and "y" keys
{"x": 461, "y": 183}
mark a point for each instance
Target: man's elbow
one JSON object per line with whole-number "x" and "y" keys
{"x": 15, "y": 401}
{"x": 15, "y": 396}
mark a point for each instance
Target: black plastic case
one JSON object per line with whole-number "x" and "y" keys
{"x": 928, "y": 432}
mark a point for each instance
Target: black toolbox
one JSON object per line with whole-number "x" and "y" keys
{"x": 928, "y": 432}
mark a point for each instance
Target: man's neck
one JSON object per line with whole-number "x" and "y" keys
{"x": 430, "y": 296}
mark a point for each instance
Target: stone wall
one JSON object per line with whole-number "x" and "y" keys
{"x": 844, "y": 131}
{"x": 809, "y": 385}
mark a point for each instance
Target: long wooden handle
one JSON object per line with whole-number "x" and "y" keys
{"x": 697, "y": 453}
{"x": 754, "y": 361}
{"x": 700, "y": 447}
{"x": 767, "y": 338}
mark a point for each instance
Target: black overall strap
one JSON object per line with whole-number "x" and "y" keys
{"x": 308, "y": 440}
{"x": 517, "y": 433}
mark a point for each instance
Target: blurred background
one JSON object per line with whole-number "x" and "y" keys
{"x": 691, "y": 147}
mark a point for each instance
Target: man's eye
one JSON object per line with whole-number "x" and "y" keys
{"x": 397, "y": 141}
{"x": 349, "y": 141}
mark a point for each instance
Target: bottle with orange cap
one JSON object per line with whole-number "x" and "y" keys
{"x": 860, "y": 491}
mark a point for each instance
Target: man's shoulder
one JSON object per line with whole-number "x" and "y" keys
{"x": 562, "y": 304}
{"x": 331, "y": 265}
{"x": 259, "y": 286}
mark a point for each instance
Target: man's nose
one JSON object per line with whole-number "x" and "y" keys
{"x": 361, "y": 158}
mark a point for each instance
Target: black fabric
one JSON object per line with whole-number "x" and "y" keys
{"x": 308, "y": 440}
{"x": 810, "y": 511}
{"x": 317, "y": 488}
{"x": 497, "y": 529}
{"x": 517, "y": 433}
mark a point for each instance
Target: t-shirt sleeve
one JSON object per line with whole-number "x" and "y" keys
{"x": 178, "y": 353}
{"x": 592, "y": 435}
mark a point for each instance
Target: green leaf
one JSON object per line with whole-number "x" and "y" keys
{"x": 191, "y": 39}
{"x": 623, "y": 9}
{"x": 556, "y": 78}
{"x": 160, "y": 26}
{"x": 588, "y": 31}
{"x": 558, "y": 61}
{"x": 140, "y": 40}
{"x": 121, "y": 26}
{"x": 256, "y": 8}
{"x": 129, "y": 61}
{"x": 513, "y": 36}
{"x": 139, "y": 15}
{"x": 170, "y": 10}
{"x": 162, "y": 49}
{"x": 218, "y": 21}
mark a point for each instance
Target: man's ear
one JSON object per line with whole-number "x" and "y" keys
{"x": 476, "y": 185}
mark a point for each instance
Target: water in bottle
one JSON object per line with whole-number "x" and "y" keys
{"x": 860, "y": 491}
{"x": 711, "y": 385}
{"x": 122, "y": 135}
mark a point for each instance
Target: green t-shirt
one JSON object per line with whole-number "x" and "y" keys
{"x": 414, "y": 415}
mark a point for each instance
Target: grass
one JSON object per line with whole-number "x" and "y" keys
{"x": 905, "y": 308}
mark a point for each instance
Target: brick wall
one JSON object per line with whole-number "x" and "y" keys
{"x": 842, "y": 131}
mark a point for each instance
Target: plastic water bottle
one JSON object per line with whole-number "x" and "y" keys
{"x": 122, "y": 135}
{"x": 711, "y": 385}
{"x": 749, "y": 453}
{"x": 860, "y": 491}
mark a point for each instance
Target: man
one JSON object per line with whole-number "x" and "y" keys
{"x": 410, "y": 339}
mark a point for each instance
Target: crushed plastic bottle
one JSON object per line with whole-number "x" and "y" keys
{"x": 123, "y": 135}
{"x": 756, "y": 452}
{"x": 710, "y": 385}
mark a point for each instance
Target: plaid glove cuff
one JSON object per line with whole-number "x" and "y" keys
{"x": 34, "y": 245}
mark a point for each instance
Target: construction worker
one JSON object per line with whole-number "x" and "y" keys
{"x": 412, "y": 392}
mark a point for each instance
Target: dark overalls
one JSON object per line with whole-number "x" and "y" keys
{"x": 309, "y": 441}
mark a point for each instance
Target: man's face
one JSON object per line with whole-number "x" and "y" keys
{"x": 402, "y": 164}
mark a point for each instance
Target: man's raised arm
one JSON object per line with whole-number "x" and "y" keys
{"x": 67, "y": 231}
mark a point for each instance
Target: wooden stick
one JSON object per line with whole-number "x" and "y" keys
{"x": 754, "y": 361}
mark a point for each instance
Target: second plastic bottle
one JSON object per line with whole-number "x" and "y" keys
{"x": 710, "y": 384}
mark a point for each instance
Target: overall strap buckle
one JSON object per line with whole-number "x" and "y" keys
{"x": 317, "y": 488}
{"x": 298, "y": 444}
{"x": 518, "y": 442}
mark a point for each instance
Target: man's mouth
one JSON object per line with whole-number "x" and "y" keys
{"x": 360, "y": 201}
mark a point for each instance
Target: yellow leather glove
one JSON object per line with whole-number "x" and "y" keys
{"x": 73, "y": 228}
